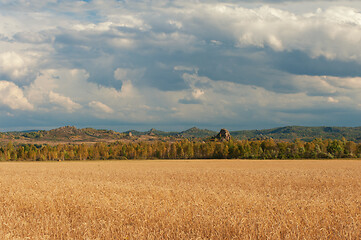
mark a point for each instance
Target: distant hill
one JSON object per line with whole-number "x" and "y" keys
{"x": 190, "y": 133}
{"x": 65, "y": 134}
{"x": 134, "y": 132}
{"x": 73, "y": 134}
{"x": 291, "y": 133}
{"x": 197, "y": 133}
{"x": 155, "y": 132}
{"x": 151, "y": 132}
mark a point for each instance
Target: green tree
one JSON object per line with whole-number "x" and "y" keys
{"x": 335, "y": 148}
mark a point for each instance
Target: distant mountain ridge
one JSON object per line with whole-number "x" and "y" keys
{"x": 193, "y": 132}
{"x": 288, "y": 133}
{"x": 64, "y": 134}
{"x": 196, "y": 132}
{"x": 291, "y": 133}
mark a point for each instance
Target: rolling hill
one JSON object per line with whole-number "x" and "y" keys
{"x": 291, "y": 133}
{"x": 73, "y": 134}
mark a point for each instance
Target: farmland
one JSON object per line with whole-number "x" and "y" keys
{"x": 181, "y": 199}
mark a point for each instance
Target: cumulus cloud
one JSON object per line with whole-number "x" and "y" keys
{"x": 222, "y": 102}
{"x": 344, "y": 82}
{"x": 32, "y": 37}
{"x": 63, "y": 101}
{"x": 68, "y": 88}
{"x": 123, "y": 74}
{"x": 332, "y": 100}
{"x": 98, "y": 106}
{"x": 318, "y": 33}
{"x": 13, "y": 65}
{"x": 13, "y": 97}
{"x": 182, "y": 61}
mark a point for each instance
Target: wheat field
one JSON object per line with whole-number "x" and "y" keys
{"x": 195, "y": 199}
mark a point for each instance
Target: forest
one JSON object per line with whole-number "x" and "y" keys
{"x": 184, "y": 149}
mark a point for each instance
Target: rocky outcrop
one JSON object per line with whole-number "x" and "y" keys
{"x": 223, "y": 135}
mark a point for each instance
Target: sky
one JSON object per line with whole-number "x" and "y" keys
{"x": 172, "y": 65}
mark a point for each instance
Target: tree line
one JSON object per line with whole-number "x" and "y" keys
{"x": 185, "y": 149}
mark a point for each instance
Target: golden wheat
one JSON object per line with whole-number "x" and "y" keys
{"x": 225, "y": 199}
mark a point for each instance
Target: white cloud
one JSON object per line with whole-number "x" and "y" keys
{"x": 101, "y": 27}
{"x": 113, "y": 57}
{"x": 197, "y": 93}
{"x": 33, "y": 37}
{"x": 344, "y": 82}
{"x": 63, "y": 101}
{"x": 13, "y": 65}
{"x": 222, "y": 102}
{"x": 313, "y": 85}
{"x": 127, "y": 20}
{"x": 98, "y": 106}
{"x": 12, "y": 96}
{"x": 68, "y": 88}
{"x": 319, "y": 33}
{"x": 122, "y": 43}
{"x": 123, "y": 74}
{"x": 332, "y": 100}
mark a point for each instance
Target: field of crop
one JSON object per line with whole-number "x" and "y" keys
{"x": 204, "y": 199}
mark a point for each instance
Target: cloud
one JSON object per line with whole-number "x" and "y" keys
{"x": 184, "y": 62}
{"x": 186, "y": 69}
{"x": 299, "y": 63}
{"x": 63, "y": 101}
{"x": 123, "y": 74}
{"x": 190, "y": 101}
{"x": 98, "y": 106}
{"x": 332, "y": 100}
{"x": 316, "y": 33}
{"x": 32, "y": 37}
{"x": 68, "y": 88}
{"x": 344, "y": 82}
{"x": 198, "y": 86}
{"x": 12, "y": 96}
{"x": 13, "y": 65}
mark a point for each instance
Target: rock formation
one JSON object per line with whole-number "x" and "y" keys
{"x": 223, "y": 135}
